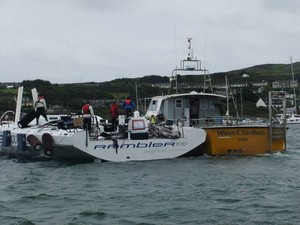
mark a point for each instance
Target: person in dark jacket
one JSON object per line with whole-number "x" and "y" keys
{"x": 40, "y": 108}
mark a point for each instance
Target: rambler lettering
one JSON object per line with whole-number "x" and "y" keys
{"x": 240, "y": 132}
{"x": 142, "y": 145}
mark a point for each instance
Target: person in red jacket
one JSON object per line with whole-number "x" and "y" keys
{"x": 114, "y": 113}
{"x": 88, "y": 113}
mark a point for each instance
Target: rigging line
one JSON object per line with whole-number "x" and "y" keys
{"x": 175, "y": 43}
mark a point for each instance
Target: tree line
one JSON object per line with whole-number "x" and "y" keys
{"x": 72, "y": 96}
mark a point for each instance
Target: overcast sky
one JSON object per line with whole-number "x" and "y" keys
{"x": 70, "y": 41}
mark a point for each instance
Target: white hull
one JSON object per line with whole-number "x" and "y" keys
{"x": 145, "y": 149}
{"x": 78, "y": 144}
{"x": 291, "y": 118}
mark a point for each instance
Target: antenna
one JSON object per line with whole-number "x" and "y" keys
{"x": 190, "y": 42}
{"x": 191, "y": 52}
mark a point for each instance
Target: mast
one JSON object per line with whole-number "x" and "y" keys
{"x": 137, "y": 97}
{"x": 227, "y": 97}
{"x": 190, "y": 66}
{"x": 293, "y": 77}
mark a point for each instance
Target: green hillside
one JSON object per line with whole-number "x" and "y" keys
{"x": 267, "y": 72}
{"x": 71, "y": 96}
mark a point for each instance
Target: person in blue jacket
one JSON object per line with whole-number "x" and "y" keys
{"x": 128, "y": 107}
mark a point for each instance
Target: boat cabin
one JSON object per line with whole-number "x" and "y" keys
{"x": 193, "y": 108}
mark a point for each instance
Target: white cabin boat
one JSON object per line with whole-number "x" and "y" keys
{"x": 225, "y": 134}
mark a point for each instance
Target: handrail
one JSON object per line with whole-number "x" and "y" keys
{"x": 222, "y": 121}
{"x": 4, "y": 114}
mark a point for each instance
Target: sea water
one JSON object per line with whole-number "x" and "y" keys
{"x": 262, "y": 190}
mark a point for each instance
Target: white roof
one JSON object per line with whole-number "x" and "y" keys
{"x": 260, "y": 102}
{"x": 193, "y": 93}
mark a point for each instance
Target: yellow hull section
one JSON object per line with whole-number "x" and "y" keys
{"x": 245, "y": 141}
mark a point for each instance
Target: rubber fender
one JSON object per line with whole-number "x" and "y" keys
{"x": 35, "y": 143}
{"x": 21, "y": 140}
{"x": 6, "y": 138}
{"x": 47, "y": 144}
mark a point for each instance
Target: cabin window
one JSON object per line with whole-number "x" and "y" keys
{"x": 152, "y": 106}
{"x": 203, "y": 104}
{"x": 178, "y": 103}
{"x": 211, "y": 104}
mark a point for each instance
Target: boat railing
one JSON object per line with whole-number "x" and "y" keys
{"x": 221, "y": 121}
{"x": 5, "y": 118}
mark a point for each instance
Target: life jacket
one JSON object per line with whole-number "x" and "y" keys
{"x": 114, "y": 110}
{"x": 128, "y": 105}
{"x": 153, "y": 119}
{"x": 39, "y": 103}
{"x": 86, "y": 109}
{"x": 127, "y": 101}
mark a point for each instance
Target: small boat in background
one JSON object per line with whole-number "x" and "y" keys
{"x": 291, "y": 118}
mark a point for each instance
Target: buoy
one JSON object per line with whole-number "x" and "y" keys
{"x": 47, "y": 144}
{"x": 35, "y": 143}
{"x": 21, "y": 139}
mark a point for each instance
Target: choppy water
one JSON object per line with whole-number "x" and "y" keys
{"x": 202, "y": 190}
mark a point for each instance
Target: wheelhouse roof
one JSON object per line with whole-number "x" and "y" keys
{"x": 191, "y": 94}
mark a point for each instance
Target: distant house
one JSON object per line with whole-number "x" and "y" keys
{"x": 276, "y": 103}
{"x": 260, "y": 103}
{"x": 260, "y": 84}
{"x": 245, "y": 75}
{"x": 284, "y": 84}
{"x": 260, "y": 89}
{"x": 161, "y": 85}
{"x": 239, "y": 85}
{"x": 9, "y": 85}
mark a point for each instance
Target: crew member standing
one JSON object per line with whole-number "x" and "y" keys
{"x": 114, "y": 113}
{"x": 88, "y": 113}
{"x": 40, "y": 108}
{"x": 128, "y": 107}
